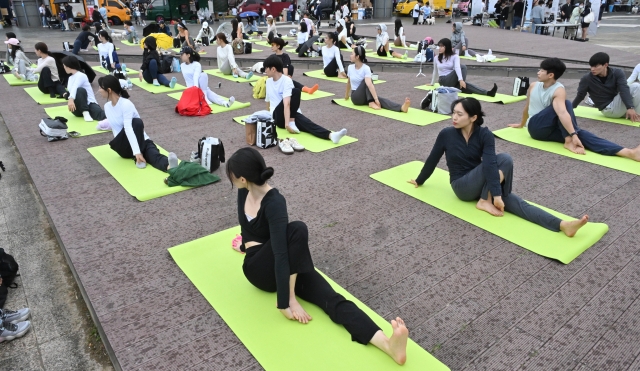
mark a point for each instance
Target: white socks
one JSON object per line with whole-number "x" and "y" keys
{"x": 87, "y": 116}
{"x": 337, "y": 135}
{"x": 230, "y": 102}
{"x": 293, "y": 126}
{"x": 155, "y": 82}
{"x": 173, "y": 160}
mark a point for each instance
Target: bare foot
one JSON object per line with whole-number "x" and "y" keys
{"x": 571, "y": 227}
{"x": 487, "y": 206}
{"x": 573, "y": 148}
{"x": 374, "y": 105}
{"x": 405, "y": 106}
{"x": 635, "y": 154}
{"x": 398, "y": 341}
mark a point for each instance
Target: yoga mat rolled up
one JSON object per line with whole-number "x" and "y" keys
{"x": 13, "y": 81}
{"x": 319, "y": 74}
{"x": 437, "y": 192}
{"x": 306, "y": 96}
{"x": 521, "y": 136}
{"x": 499, "y": 98}
{"x": 414, "y": 116}
{"x": 310, "y": 142}
{"x": 216, "y": 72}
{"x": 42, "y": 98}
{"x": 594, "y": 114}
{"x": 277, "y": 343}
{"x": 216, "y": 108}
{"x": 143, "y": 184}
{"x": 155, "y": 89}
{"x": 75, "y": 123}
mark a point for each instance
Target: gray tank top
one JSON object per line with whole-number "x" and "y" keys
{"x": 541, "y": 98}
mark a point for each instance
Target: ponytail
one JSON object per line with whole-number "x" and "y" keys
{"x": 111, "y": 82}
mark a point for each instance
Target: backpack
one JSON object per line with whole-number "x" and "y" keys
{"x": 266, "y": 133}
{"x": 166, "y": 61}
{"x": 54, "y": 129}
{"x": 520, "y": 86}
{"x": 210, "y": 153}
{"x": 8, "y": 269}
{"x": 4, "y": 68}
{"x": 193, "y": 103}
{"x": 247, "y": 48}
{"x": 238, "y": 46}
{"x": 260, "y": 88}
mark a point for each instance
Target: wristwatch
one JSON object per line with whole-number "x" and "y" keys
{"x": 572, "y": 134}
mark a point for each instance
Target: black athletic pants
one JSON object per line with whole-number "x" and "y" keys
{"x": 302, "y": 123}
{"x": 259, "y": 268}
{"x": 47, "y": 85}
{"x": 120, "y": 144}
{"x": 83, "y": 105}
{"x": 331, "y": 69}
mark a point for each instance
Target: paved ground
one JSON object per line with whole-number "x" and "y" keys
{"x": 475, "y": 301}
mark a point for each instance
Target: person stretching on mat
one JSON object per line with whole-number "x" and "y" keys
{"x": 82, "y": 101}
{"x": 49, "y": 81}
{"x": 343, "y": 39}
{"x": 452, "y": 73}
{"x": 107, "y": 52}
{"x": 277, "y": 44}
{"x": 401, "y": 39}
{"x": 608, "y": 89}
{"x": 226, "y": 61}
{"x": 360, "y": 86}
{"x": 382, "y": 44}
{"x": 332, "y": 58}
{"x": 21, "y": 64}
{"x": 129, "y": 138}
{"x": 193, "y": 76}
{"x": 283, "y": 101}
{"x": 305, "y": 43}
{"x": 278, "y": 259}
{"x": 477, "y": 173}
{"x": 151, "y": 64}
{"x": 549, "y": 116}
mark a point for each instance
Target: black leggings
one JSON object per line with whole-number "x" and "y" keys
{"x": 47, "y": 85}
{"x": 120, "y": 144}
{"x": 82, "y": 105}
{"x": 259, "y": 268}
{"x": 331, "y": 69}
{"x": 302, "y": 123}
{"x": 304, "y": 48}
{"x": 383, "y": 53}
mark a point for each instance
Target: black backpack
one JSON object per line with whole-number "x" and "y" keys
{"x": 8, "y": 272}
{"x": 165, "y": 64}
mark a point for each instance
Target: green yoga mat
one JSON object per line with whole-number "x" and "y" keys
{"x": 499, "y": 98}
{"x": 294, "y": 52}
{"x": 96, "y": 48}
{"x": 143, "y": 184}
{"x": 155, "y": 89}
{"x": 216, "y": 108}
{"x": 75, "y": 123}
{"x": 521, "y": 136}
{"x": 311, "y": 143}
{"x": 42, "y": 98}
{"x": 125, "y": 42}
{"x": 437, "y": 192}
{"x": 390, "y": 59}
{"x": 216, "y": 72}
{"x": 103, "y": 70}
{"x": 493, "y": 61}
{"x": 306, "y": 96}
{"x": 277, "y": 343}
{"x": 13, "y": 81}
{"x": 414, "y": 116}
{"x": 594, "y": 114}
{"x": 177, "y": 50}
{"x": 319, "y": 74}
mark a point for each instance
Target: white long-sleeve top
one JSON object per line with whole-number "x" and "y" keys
{"x": 209, "y": 34}
{"x": 226, "y": 54}
{"x": 120, "y": 117}
{"x": 635, "y": 75}
{"x": 343, "y": 35}
{"x": 51, "y": 63}
{"x": 191, "y": 73}
{"x": 272, "y": 27}
{"x": 302, "y": 37}
{"x": 105, "y": 50}
{"x": 80, "y": 80}
{"x": 329, "y": 54}
{"x": 400, "y": 32}
{"x": 445, "y": 67}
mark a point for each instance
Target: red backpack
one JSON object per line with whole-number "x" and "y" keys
{"x": 192, "y": 103}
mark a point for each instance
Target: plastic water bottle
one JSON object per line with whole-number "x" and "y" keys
{"x": 129, "y": 84}
{"x": 489, "y": 53}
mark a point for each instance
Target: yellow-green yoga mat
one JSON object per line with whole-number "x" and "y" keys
{"x": 521, "y": 136}
{"x": 594, "y": 114}
{"x": 499, "y": 98}
{"x": 437, "y": 192}
{"x": 13, "y": 81}
{"x": 75, "y": 123}
{"x": 390, "y": 59}
{"x": 414, "y": 116}
{"x": 317, "y": 95}
{"x": 277, "y": 343}
{"x": 155, "y": 89}
{"x": 492, "y": 61}
{"x": 42, "y": 98}
{"x": 130, "y": 72}
{"x": 96, "y": 48}
{"x": 143, "y": 184}
{"x": 311, "y": 143}
{"x": 125, "y": 42}
{"x": 216, "y": 72}
{"x": 177, "y": 50}
{"x": 319, "y": 74}
{"x": 216, "y": 108}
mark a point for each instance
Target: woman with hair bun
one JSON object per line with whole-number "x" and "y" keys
{"x": 476, "y": 172}
{"x": 278, "y": 258}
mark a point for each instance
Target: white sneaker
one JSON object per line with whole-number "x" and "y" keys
{"x": 285, "y": 147}
{"x": 87, "y": 116}
{"x": 230, "y": 102}
{"x": 589, "y": 102}
{"x": 295, "y": 145}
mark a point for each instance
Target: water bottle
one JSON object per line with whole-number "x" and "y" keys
{"x": 489, "y": 53}
{"x": 129, "y": 84}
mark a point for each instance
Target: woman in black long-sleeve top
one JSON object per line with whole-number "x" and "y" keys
{"x": 278, "y": 258}
{"x": 149, "y": 71}
{"x": 477, "y": 173}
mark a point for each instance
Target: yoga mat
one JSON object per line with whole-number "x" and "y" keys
{"x": 319, "y": 74}
{"x": 216, "y": 72}
{"x": 317, "y": 95}
{"x": 216, "y": 108}
{"x": 403, "y": 48}
{"x": 437, "y": 192}
{"x": 499, "y": 98}
{"x": 13, "y": 81}
{"x": 391, "y": 59}
{"x": 293, "y": 51}
{"x": 96, "y": 48}
{"x": 310, "y": 142}
{"x": 177, "y": 50}
{"x": 594, "y": 114}
{"x": 493, "y": 61}
{"x": 277, "y": 343}
{"x": 75, "y": 123}
{"x": 130, "y": 72}
{"x": 41, "y": 98}
{"x": 155, "y": 89}
{"x": 125, "y": 42}
{"x": 414, "y": 116}
{"x": 143, "y": 184}
{"x": 350, "y": 50}
{"x": 521, "y": 136}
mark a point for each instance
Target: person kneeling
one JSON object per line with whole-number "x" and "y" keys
{"x": 82, "y": 101}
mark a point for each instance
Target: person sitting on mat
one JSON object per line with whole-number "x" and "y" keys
{"x": 193, "y": 76}
{"x": 82, "y": 41}
{"x": 82, "y": 101}
{"x": 401, "y": 39}
{"x": 277, "y": 44}
{"x": 635, "y": 75}
{"x": 549, "y": 116}
{"x": 130, "y": 32}
{"x": 206, "y": 34}
{"x": 332, "y": 58}
{"x": 237, "y": 29}
{"x": 151, "y": 64}
{"x": 608, "y": 89}
{"x": 460, "y": 42}
{"x": 107, "y": 52}
{"x": 49, "y": 81}
{"x": 21, "y": 64}
{"x": 360, "y": 86}
{"x": 226, "y": 61}
{"x": 343, "y": 39}
{"x": 382, "y": 44}
{"x": 129, "y": 137}
{"x": 351, "y": 28}
{"x": 272, "y": 29}
{"x": 8, "y": 36}
{"x": 182, "y": 38}
{"x": 452, "y": 73}
{"x": 477, "y": 173}
{"x": 283, "y": 101}
{"x": 302, "y": 35}
{"x": 162, "y": 28}
{"x": 278, "y": 259}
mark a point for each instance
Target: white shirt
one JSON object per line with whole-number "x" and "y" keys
{"x": 191, "y": 73}
{"x": 343, "y": 34}
{"x": 272, "y": 27}
{"x": 51, "y": 63}
{"x": 416, "y": 11}
{"x": 276, "y": 91}
{"x": 345, "y": 11}
{"x": 303, "y": 37}
{"x": 120, "y": 117}
{"x": 80, "y": 80}
{"x": 329, "y": 54}
{"x": 357, "y": 76}
{"x": 42, "y": 10}
{"x": 106, "y": 51}
{"x": 635, "y": 75}
{"x": 234, "y": 11}
{"x": 224, "y": 54}
{"x": 400, "y": 32}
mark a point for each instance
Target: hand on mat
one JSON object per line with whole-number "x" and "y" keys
{"x": 140, "y": 158}
{"x": 463, "y": 85}
{"x": 140, "y": 75}
{"x": 296, "y": 312}
{"x": 71, "y": 105}
{"x": 517, "y": 126}
{"x": 633, "y": 115}
{"x": 498, "y": 203}
{"x": 413, "y": 181}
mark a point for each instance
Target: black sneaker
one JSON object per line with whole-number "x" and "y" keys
{"x": 426, "y": 101}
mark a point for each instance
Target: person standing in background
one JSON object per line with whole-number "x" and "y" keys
{"x": 518, "y": 10}
{"x": 603, "y": 4}
{"x": 68, "y": 9}
{"x": 43, "y": 18}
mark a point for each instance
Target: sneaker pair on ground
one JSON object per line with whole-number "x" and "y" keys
{"x": 289, "y": 145}
{"x": 13, "y": 324}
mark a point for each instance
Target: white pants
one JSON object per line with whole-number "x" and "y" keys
{"x": 227, "y": 70}
{"x": 617, "y": 108}
{"x": 212, "y": 97}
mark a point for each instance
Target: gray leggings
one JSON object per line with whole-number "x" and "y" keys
{"x": 25, "y": 70}
{"x": 451, "y": 80}
{"x": 362, "y": 96}
{"x": 473, "y": 186}
{"x": 227, "y": 70}
{"x": 466, "y": 44}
